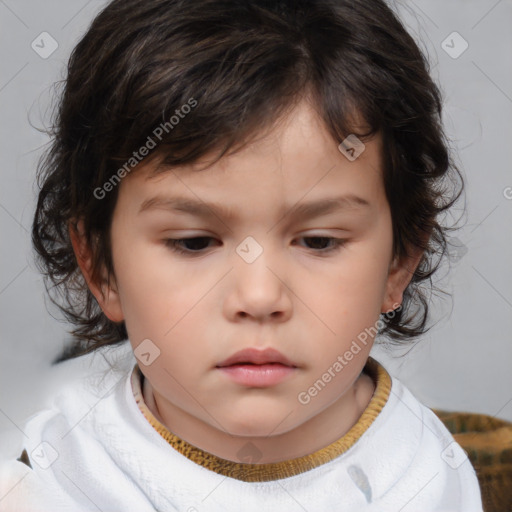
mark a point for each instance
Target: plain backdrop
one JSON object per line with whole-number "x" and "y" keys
{"x": 463, "y": 363}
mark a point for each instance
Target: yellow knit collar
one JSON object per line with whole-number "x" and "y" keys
{"x": 277, "y": 470}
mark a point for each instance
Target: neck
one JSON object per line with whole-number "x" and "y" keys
{"x": 314, "y": 434}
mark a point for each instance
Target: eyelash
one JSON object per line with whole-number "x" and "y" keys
{"x": 173, "y": 244}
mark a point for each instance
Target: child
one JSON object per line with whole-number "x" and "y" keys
{"x": 247, "y": 191}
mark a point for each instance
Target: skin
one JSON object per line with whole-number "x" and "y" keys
{"x": 201, "y": 308}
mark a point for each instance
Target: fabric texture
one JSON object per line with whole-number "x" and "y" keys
{"x": 98, "y": 448}
{"x": 262, "y": 472}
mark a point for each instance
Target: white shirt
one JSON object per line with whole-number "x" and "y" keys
{"x": 99, "y": 448}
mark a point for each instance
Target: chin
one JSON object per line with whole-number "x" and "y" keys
{"x": 258, "y": 425}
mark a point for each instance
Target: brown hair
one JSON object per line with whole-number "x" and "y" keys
{"x": 244, "y": 64}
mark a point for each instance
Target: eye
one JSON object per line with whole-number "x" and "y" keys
{"x": 196, "y": 245}
{"x": 193, "y": 245}
{"x": 318, "y": 243}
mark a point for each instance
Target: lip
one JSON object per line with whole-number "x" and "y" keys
{"x": 257, "y": 357}
{"x": 257, "y": 368}
{"x": 258, "y": 375}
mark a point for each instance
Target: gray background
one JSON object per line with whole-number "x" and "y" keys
{"x": 464, "y": 363}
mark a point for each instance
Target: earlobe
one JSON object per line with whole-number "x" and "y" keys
{"x": 106, "y": 294}
{"x": 400, "y": 274}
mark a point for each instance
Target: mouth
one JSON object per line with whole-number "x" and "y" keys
{"x": 255, "y": 357}
{"x": 255, "y": 368}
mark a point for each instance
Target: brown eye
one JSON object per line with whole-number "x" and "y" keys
{"x": 192, "y": 245}
{"x": 323, "y": 244}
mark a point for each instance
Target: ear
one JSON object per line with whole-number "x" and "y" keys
{"x": 399, "y": 276}
{"x": 106, "y": 295}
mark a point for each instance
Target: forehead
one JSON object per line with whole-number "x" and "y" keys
{"x": 300, "y": 130}
{"x": 296, "y": 158}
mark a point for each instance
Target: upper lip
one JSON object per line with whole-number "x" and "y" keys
{"x": 255, "y": 356}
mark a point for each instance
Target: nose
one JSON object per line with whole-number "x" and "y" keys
{"x": 258, "y": 290}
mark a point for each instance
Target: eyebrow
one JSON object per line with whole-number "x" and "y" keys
{"x": 305, "y": 209}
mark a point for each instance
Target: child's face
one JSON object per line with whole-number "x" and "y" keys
{"x": 296, "y": 297}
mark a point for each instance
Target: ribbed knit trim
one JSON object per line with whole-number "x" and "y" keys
{"x": 276, "y": 470}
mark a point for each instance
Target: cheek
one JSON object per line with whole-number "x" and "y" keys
{"x": 161, "y": 300}
{"x": 346, "y": 297}
{"x": 355, "y": 285}
{"x": 145, "y": 286}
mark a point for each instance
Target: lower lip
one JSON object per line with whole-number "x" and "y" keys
{"x": 258, "y": 375}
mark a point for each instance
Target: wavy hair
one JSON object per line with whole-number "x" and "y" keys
{"x": 245, "y": 63}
